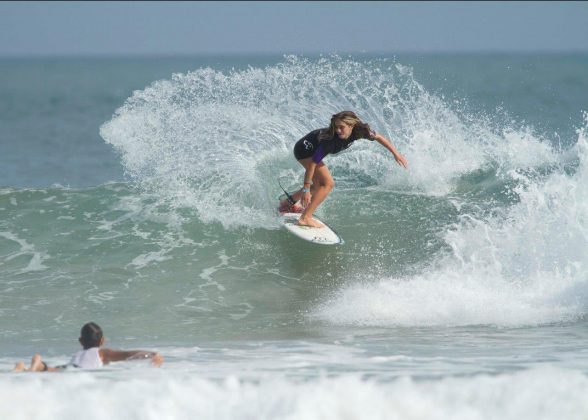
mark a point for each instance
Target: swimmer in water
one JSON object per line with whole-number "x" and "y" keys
{"x": 92, "y": 356}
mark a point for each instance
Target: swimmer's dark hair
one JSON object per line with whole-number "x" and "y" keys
{"x": 91, "y": 335}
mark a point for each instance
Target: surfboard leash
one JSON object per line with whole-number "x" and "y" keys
{"x": 290, "y": 199}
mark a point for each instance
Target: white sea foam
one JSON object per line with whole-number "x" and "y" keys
{"x": 35, "y": 263}
{"x": 526, "y": 265}
{"x": 540, "y": 393}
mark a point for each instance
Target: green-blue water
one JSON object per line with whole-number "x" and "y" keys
{"x": 140, "y": 194}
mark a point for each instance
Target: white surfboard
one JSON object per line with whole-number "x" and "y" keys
{"x": 323, "y": 236}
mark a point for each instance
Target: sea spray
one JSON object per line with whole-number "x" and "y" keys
{"x": 524, "y": 264}
{"x": 217, "y": 141}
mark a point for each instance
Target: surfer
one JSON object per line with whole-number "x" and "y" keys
{"x": 310, "y": 150}
{"x": 93, "y": 356}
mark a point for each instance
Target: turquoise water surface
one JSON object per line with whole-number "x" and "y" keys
{"x": 140, "y": 194}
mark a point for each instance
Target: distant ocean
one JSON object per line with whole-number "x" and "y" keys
{"x": 140, "y": 193}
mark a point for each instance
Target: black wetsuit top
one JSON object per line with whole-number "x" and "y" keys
{"x": 310, "y": 146}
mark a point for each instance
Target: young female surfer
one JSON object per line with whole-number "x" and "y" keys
{"x": 310, "y": 150}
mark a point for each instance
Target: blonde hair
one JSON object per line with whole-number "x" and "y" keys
{"x": 360, "y": 129}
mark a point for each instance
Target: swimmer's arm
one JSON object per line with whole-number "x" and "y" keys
{"x": 110, "y": 355}
{"x": 388, "y": 145}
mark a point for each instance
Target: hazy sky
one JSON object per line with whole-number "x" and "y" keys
{"x": 289, "y": 27}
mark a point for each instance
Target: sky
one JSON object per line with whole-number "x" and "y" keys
{"x": 278, "y": 27}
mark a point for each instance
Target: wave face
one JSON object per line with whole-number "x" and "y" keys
{"x": 496, "y": 208}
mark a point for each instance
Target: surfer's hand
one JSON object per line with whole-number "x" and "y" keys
{"x": 401, "y": 160}
{"x": 306, "y": 197}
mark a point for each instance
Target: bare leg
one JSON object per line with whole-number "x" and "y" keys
{"x": 323, "y": 184}
{"x": 37, "y": 364}
{"x": 297, "y": 196}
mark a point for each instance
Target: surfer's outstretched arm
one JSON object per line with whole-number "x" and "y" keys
{"x": 388, "y": 145}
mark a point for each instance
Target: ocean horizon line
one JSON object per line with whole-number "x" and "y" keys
{"x": 447, "y": 53}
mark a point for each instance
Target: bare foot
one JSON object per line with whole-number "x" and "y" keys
{"x": 157, "y": 360}
{"x": 19, "y": 367}
{"x": 310, "y": 222}
{"x": 37, "y": 364}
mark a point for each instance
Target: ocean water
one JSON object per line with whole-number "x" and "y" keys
{"x": 140, "y": 193}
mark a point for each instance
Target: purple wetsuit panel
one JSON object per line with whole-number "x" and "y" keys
{"x": 320, "y": 153}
